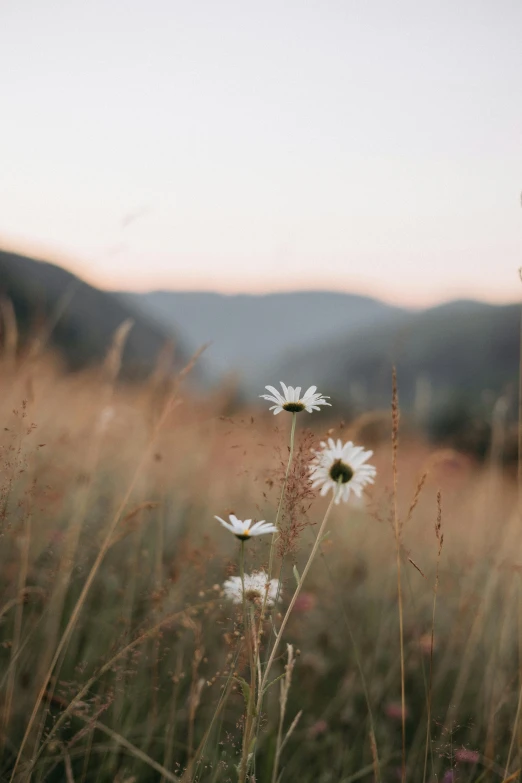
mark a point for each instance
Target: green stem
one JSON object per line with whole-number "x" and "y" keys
{"x": 283, "y": 490}
{"x": 313, "y": 553}
{"x": 279, "y": 508}
{"x": 245, "y": 622}
{"x": 272, "y": 545}
{"x": 257, "y": 637}
{"x": 242, "y": 575}
{"x": 248, "y": 631}
{"x": 290, "y": 456}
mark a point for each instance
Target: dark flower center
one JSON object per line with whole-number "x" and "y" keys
{"x": 242, "y": 536}
{"x": 252, "y": 595}
{"x": 293, "y": 407}
{"x": 340, "y": 471}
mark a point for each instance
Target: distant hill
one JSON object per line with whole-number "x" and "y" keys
{"x": 78, "y": 319}
{"x": 451, "y": 355}
{"x": 250, "y": 333}
{"x": 455, "y": 354}
{"x": 457, "y": 357}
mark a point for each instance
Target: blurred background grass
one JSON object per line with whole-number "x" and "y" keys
{"x": 154, "y": 643}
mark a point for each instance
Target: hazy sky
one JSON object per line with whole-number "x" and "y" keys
{"x": 372, "y": 146}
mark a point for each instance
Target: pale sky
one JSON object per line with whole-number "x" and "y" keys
{"x": 372, "y": 146}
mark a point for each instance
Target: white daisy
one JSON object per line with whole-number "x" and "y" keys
{"x": 340, "y": 467}
{"x": 292, "y": 401}
{"x": 257, "y": 586}
{"x": 245, "y": 529}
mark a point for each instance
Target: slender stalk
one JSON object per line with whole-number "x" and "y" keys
{"x": 397, "y": 529}
{"x": 440, "y": 539}
{"x": 403, "y": 695}
{"x": 279, "y": 743}
{"x": 272, "y": 545}
{"x": 294, "y": 598}
{"x": 221, "y": 703}
{"x": 376, "y": 766}
{"x": 517, "y": 728}
{"x": 244, "y": 600}
{"x": 107, "y": 667}
{"x": 430, "y": 681}
{"x": 247, "y": 631}
{"x": 24, "y": 543}
{"x": 171, "y": 720}
{"x": 242, "y": 575}
{"x": 283, "y": 698}
{"x": 251, "y": 724}
{"x": 276, "y": 523}
{"x": 281, "y": 498}
{"x": 88, "y": 583}
{"x": 250, "y": 716}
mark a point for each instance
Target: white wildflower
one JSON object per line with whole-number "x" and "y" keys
{"x": 340, "y": 467}
{"x": 292, "y": 401}
{"x": 257, "y": 585}
{"x": 244, "y": 529}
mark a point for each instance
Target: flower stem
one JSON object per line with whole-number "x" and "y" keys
{"x": 248, "y": 631}
{"x": 290, "y": 456}
{"x": 398, "y": 530}
{"x": 244, "y": 600}
{"x": 279, "y": 508}
{"x": 294, "y": 599}
{"x": 253, "y": 720}
{"x": 283, "y": 490}
{"x": 255, "y": 728}
{"x": 242, "y": 574}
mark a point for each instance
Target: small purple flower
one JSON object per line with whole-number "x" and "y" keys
{"x": 467, "y": 756}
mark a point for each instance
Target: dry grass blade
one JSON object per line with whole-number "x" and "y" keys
{"x": 117, "y": 599}
{"x": 191, "y": 363}
{"x": 291, "y": 728}
{"x": 285, "y": 686}
{"x": 167, "y": 409}
{"x": 17, "y": 633}
{"x": 90, "y": 578}
{"x": 139, "y": 754}
{"x": 20, "y": 598}
{"x": 414, "y": 564}
{"x": 68, "y": 767}
{"x": 40, "y": 341}
{"x": 416, "y": 496}
{"x": 512, "y": 777}
{"x": 69, "y": 709}
{"x": 112, "y": 363}
{"x": 397, "y": 529}
{"x": 440, "y": 539}
{"x": 131, "y": 521}
{"x": 362, "y": 773}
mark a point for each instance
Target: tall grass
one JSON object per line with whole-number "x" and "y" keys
{"x": 121, "y": 660}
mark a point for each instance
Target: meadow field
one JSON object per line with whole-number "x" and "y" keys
{"x": 123, "y": 657}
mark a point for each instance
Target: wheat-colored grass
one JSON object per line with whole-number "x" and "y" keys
{"x": 118, "y": 652}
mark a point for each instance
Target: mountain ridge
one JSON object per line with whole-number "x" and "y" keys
{"x": 251, "y": 330}
{"x": 78, "y": 319}
{"x": 345, "y": 343}
{"x": 459, "y": 349}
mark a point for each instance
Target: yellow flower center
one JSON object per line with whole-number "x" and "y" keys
{"x": 293, "y": 407}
